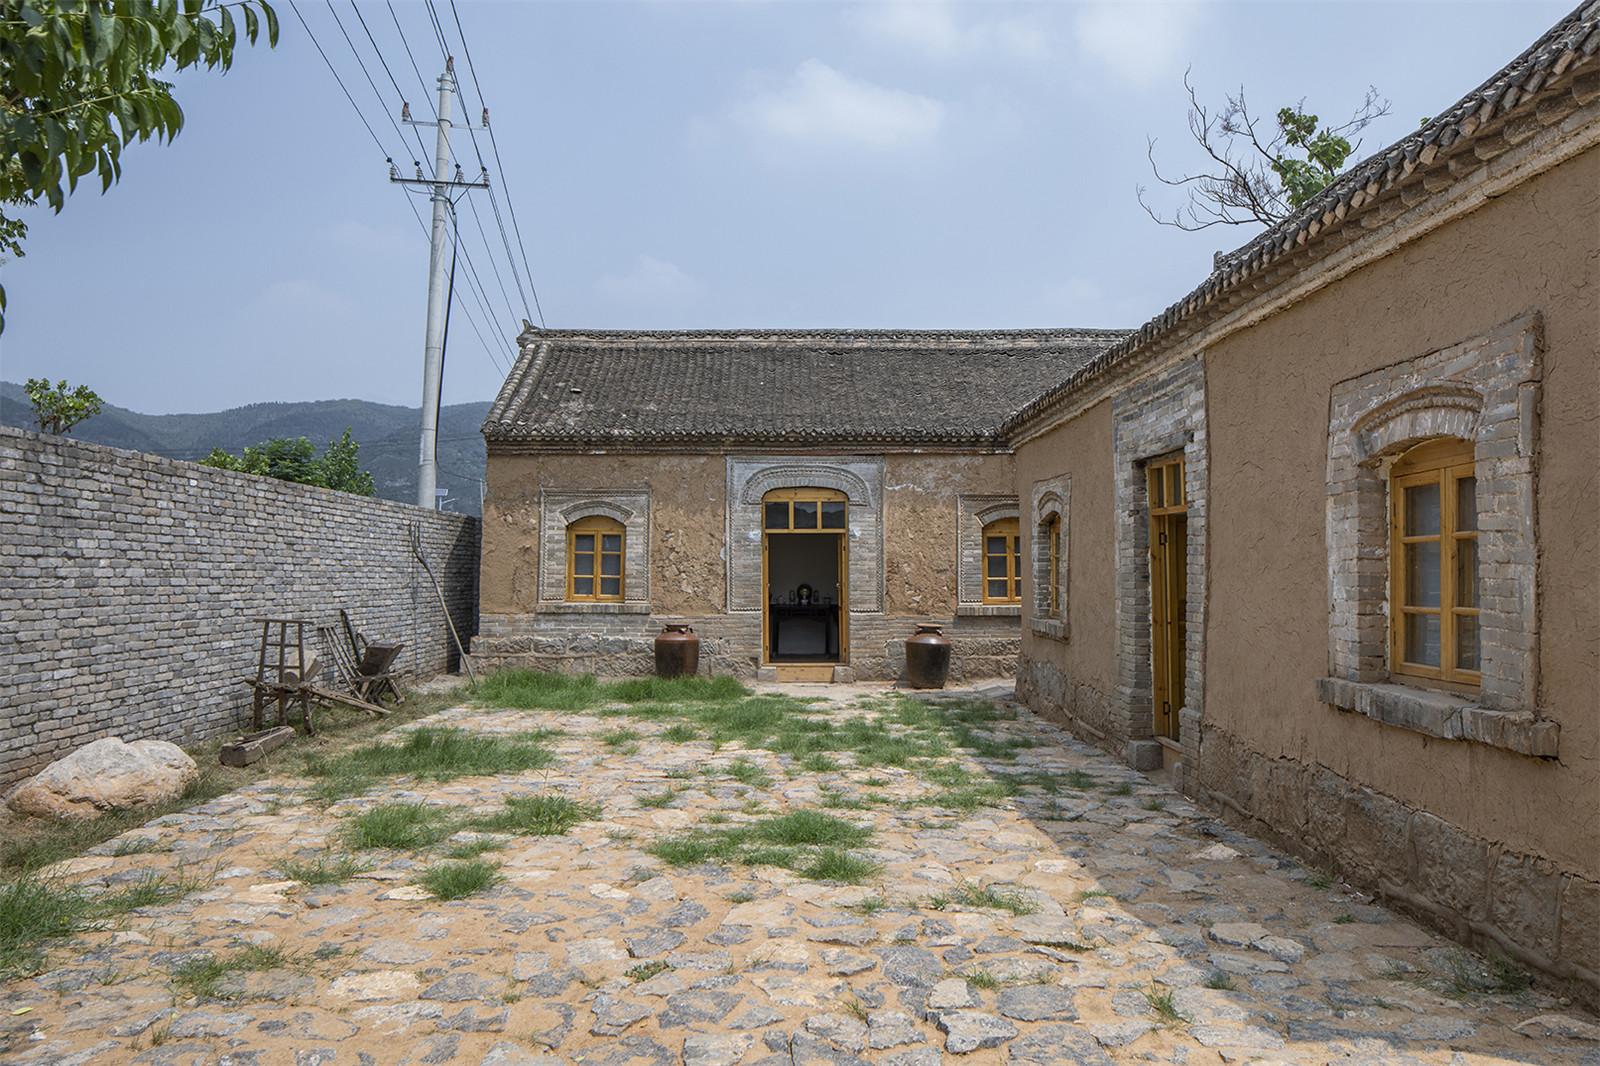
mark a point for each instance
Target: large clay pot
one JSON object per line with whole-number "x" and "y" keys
{"x": 927, "y": 657}
{"x": 677, "y": 652}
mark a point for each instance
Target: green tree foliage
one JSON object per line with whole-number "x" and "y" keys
{"x": 1251, "y": 177}
{"x": 297, "y": 460}
{"x": 57, "y": 408}
{"x": 79, "y": 82}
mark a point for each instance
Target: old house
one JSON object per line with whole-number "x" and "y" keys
{"x": 1332, "y": 552}
{"x": 1319, "y": 540}
{"x": 802, "y": 499}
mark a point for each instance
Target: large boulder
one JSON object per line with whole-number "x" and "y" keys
{"x": 106, "y": 775}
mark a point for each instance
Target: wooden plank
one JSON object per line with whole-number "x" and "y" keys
{"x": 256, "y": 746}
{"x": 821, "y": 672}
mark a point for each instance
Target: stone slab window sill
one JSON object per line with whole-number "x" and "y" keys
{"x": 989, "y": 610}
{"x": 1054, "y": 628}
{"x": 1439, "y": 714}
{"x": 594, "y": 608}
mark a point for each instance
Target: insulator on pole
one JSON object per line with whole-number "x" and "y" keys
{"x": 486, "y": 118}
{"x": 405, "y": 111}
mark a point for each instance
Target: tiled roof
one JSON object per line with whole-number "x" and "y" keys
{"x": 573, "y": 387}
{"x": 1555, "y": 76}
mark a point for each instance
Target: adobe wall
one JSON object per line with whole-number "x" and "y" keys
{"x": 697, "y": 517}
{"x": 1500, "y": 844}
{"x": 131, "y": 581}
{"x": 1070, "y": 675}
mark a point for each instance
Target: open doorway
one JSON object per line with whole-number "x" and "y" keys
{"x": 804, "y": 583}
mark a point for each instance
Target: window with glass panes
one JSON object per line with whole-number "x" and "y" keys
{"x": 594, "y": 559}
{"x": 1434, "y": 564}
{"x": 1002, "y": 561}
{"x": 805, "y": 511}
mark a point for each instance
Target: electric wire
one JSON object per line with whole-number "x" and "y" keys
{"x": 415, "y": 69}
{"x": 438, "y": 30}
{"x": 494, "y": 148}
{"x": 493, "y": 261}
{"x": 474, "y": 279}
{"x": 385, "y": 63}
{"x": 372, "y": 84}
{"x": 386, "y": 154}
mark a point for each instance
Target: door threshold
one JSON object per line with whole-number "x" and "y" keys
{"x": 814, "y": 672}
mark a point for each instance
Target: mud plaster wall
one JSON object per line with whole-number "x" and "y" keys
{"x": 1075, "y": 677}
{"x": 685, "y": 529}
{"x": 919, "y": 525}
{"x": 688, "y": 566}
{"x": 1268, "y": 636}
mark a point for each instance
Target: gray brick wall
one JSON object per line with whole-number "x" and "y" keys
{"x": 130, "y": 582}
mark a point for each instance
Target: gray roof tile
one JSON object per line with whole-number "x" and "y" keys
{"x": 773, "y": 386}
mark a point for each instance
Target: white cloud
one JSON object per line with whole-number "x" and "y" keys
{"x": 653, "y": 283}
{"x": 821, "y": 106}
{"x": 933, "y": 29}
{"x": 1141, "y": 42}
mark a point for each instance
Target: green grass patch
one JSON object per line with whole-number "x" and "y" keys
{"x": 535, "y": 816}
{"x": 1077, "y": 779}
{"x": 659, "y": 800}
{"x": 136, "y": 846}
{"x": 692, "y": 849}
{"x": 988, "y": 794}
{"x": 617, "y": 738}
{"x": 151, "y": 890}
{"x": 747, "y": 773}
{"x": 1122, "y": 788}
{"x": 831, "y": 864}
{"x": 982, "y": 979}
{"x": 810, "y": 827}
{"x": 454, "y": 880}
{"x": 1220, "y": 981}
{"x": 819, "y": 763}
{"x": 530, "y": 690}
{"x": 1154, "y": 805}
{"x": 204, "y": 977}
{"x": 323, "y": 870}
{"x": 471, "y": 849}
{"x": 429, "y": 753}
{"x": 32, "y": 913}
{"x": 680, "y": 733}
{"x": 401, "y": 826}
{"x": 722, "y": 689}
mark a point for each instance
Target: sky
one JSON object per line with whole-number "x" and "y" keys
{"x": 680, "y": 166}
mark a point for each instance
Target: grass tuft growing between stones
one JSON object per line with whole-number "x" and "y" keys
{"x": 455, "y": 880}
{"x": 429, "y": 753}
{"x": 1014, "y": 900}
{"x": 323, "y": 870}
{"x": 806, "y": 841}
{"x": 33, "y": 912}
{"x": 151, "y": 890}
{"x": 401, "y": 826}
{"x": 536, "y": 816}
{"x": 831, "y": 864}
{"x": 530, "y": 690}
{"x": 810, "y": 827}
{"x": 204, "y": 977}
{"x": 721, "y": 689}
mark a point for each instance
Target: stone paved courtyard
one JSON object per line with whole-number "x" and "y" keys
{"x": 1131, "y": 927}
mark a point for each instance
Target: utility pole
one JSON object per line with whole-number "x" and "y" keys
{"x": 438, "y": 268}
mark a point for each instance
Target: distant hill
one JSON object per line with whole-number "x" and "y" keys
{"x": 387, "y": 435}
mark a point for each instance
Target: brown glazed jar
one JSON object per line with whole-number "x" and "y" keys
{"x": 677, "y": 652}
{"x": 927, "y": 657}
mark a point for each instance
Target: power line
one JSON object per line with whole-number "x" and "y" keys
{"x": 335, "y": 73}
{"x": 492, "y": 262}
{"x": 370, "y": 83}
{"x": 407, "y": 45}
{"x": 494, "y": 147}
{"x": 379, "y": 53}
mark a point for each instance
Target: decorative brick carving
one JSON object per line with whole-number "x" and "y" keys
{"x": 860, "y": 478}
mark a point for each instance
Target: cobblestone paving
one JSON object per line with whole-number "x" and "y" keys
{"x": 1141, "y": 906}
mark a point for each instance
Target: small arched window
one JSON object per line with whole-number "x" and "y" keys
{"x": 1433, "y": 587}
{"x": 594, "y": 559}
{"x": 1002, "y": 561}
{"x": 1048, "y": 553}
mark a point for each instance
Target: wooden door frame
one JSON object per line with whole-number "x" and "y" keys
{"x": 1168, "y": 563}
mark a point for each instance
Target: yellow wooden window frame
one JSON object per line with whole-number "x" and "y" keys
{"x": 793, "y": 501}
{"x": 1008, "y": 532}
{"x": 1447, "y": 464}
{"x": 596, "y": 528}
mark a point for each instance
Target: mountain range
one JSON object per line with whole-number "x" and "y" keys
{"x": 387, "y": 436}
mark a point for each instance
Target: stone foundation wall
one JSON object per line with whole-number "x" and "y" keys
{"x": 1047, "y": 691}
{"x": 131, "y": 583}
{"x": 621, "y": 643}
{"x": 1479, "y": 891}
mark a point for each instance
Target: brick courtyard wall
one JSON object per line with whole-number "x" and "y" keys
{"x": 130, "y": 583}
